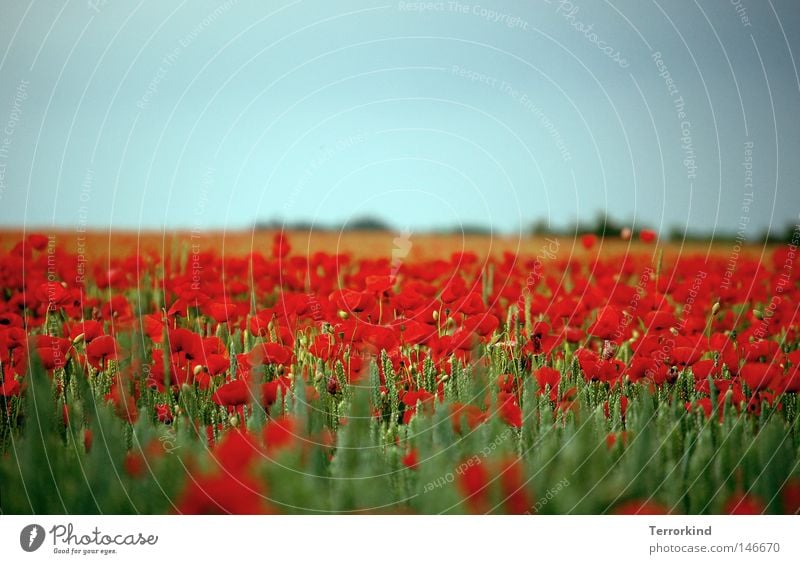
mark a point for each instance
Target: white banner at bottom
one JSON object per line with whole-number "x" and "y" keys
{"x": 400, "y": 539}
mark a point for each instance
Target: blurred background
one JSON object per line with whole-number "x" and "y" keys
{"x": 502, "y": 117}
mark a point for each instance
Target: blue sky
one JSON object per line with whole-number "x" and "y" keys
{"x": 214, "y": 114}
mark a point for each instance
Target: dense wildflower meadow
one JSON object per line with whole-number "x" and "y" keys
{"x": 276, "y": 381}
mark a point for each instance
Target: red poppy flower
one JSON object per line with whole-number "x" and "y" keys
{"x": 154, "y": 327}
{"x": 482, "y": 324}
{"x": 471, "y": 304}
{"x": 117, "y": 308}
{"x": 546, "y": 376}
{"x": 379, "y": 284}
{"x": 9, "y": 387}
{"x": 758, "y": 376}
{"x": 237, "y": 452}
{"x": 217, "y": 364}
{"x": 685, "y": 356}
{"x": 744, "y": 504}
{"x": 222, "y": 312}
{"x": 607, "y": 326}
{"x": 702, "y": 369}
{"x": 510, "y": 411}
{"x": 101, "y": 350}
{"x": 279, "y": 433}
{"x": 506, "y": 383}
{"x": 164, "y": 413}
{"x": 659, "y": 321}
{"x": 222, "y": 494}
{"x": 703, "y": 404}
{"x": 52, "y": 351}
{"x": 790, "y": 495}
{"x": 647, "y": 235}
{"x": 52, "y": 294}
{"x": 410, "y": 400}
{"x": 455, "y": 290}
{"x": 471, "y": 413}
{"x": 270, "y": 353}
{"x": 134, "y": 465}
{"x": 641, "y": 507}
{"x": 124, "y": 403}
{"x": 86, "y": 330}
{"x": 232, "y": 394}
{"x": 543, "y": 341}
{"x": 186, "y": 347}
{"x": 352, "y": 301}
{"x": 411, "y": 460}
{"x": 473, "y": 481}
{"x": 280, "y": 245}
{"x": 640, "y": 368}
{"x": 589, "y": 363}
{"x": 38, "y": 241}
{"x": 413, "y": 332}
{"x": 787, "y": 383}
{"x": 588, "y": 240}
{"x": 512, "y": 483}
{"x": 270, "y": 390}
{"x": 408, "y": 300}
{"x": 758, "y": 350}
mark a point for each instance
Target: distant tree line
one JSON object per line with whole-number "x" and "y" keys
{"x": 602, "y": 226}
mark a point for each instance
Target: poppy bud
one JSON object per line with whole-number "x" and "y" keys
{"x": 715, "y": 308}
{"x": 758, "y": 314}
{"x": 198, "y": 369}
{"x": 333, "y": 386}
{"x": 234, "y": 420}
{"x": 609, "y": 349}
{"x": 78, "y": 339}
{"x": 435, "y": 315}
{"x": 343, "y": 314}
{"x": 164, "y": 413}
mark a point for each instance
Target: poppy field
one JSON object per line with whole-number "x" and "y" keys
{"x": 571, "y": 377}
